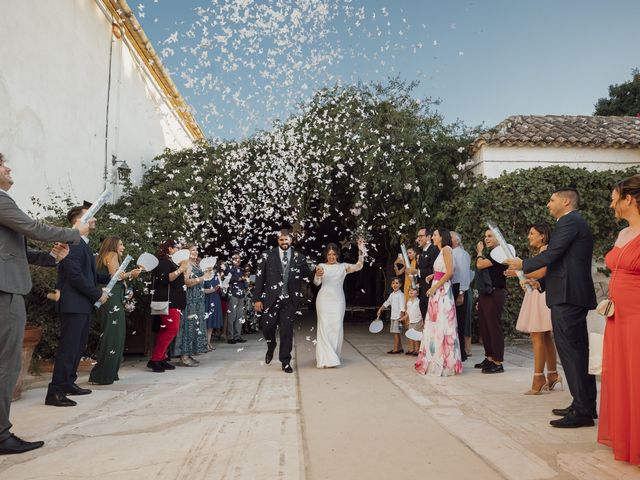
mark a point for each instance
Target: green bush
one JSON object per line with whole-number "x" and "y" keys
{"x": 517, "y": 200}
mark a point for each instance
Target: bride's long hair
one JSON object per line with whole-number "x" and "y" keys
{"x": 332, "y": 247}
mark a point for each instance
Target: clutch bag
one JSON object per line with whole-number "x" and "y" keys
{"x": 606, "y": 308}
{"x": 160, "y": 308}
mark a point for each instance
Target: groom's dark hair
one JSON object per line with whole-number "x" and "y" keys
{"x": 284, "y": 232}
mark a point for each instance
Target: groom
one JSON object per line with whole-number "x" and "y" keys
{"x": 277, "y": 295}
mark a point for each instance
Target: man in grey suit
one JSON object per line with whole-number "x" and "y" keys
{"x": 15, "y": 282}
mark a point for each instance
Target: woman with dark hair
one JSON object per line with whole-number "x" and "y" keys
{"x": 330, "y": 303}
{"x": 440, "y": 353}
{"x": 619, "y": 426}
{"x": 168, "y": 285}
{"x": 535, "y": 319}
{"x": 113, "y": 328}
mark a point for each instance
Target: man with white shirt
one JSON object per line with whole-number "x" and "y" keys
{"x": 460, "y": 284}
{"x": 15, "y": 282}
{"x": 77, "y": 281}
{"x": 277, "y": 295}
{"x": 427, "y": 254}
{"x": 570, "y": 296}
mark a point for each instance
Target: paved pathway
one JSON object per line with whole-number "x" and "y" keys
{"x": 374, "y": 418}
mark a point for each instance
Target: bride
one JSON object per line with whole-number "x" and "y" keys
{"x": 330, "y": 303}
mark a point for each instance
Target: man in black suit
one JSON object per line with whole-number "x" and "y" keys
{"x": 277, "y": 295}
{"x": 427, "y": 254}
{"x": 570, "y": 296}
{"x": 77, "y": 281}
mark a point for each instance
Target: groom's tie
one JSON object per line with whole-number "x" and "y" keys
{"x": 285, "y": 274}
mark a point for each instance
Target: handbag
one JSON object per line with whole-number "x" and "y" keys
{"x": 160, "y": 308}
{"x": 606, "y": 307}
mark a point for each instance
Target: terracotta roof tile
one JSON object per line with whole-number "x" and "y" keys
{"x": 563, "y": 130}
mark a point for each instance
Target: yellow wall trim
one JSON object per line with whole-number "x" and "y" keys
{"x": 123, "y": 16}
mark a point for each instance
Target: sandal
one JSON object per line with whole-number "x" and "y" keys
{"x": 395, "y": 351}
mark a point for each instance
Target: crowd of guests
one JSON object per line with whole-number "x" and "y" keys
{"x": 438, "y": 280}
{"x": 434, "y": 297}
{"x": 559, "y": 292}
{"x": 202, "y": 306}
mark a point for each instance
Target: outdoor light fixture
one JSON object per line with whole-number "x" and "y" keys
{"x": 123, "y": 170}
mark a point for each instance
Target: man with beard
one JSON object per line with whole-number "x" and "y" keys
{"x": 277, "y": 295}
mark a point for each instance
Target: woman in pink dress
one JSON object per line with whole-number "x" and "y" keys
{"x": 440, "y": 353}
{"x": 535, "y": 319}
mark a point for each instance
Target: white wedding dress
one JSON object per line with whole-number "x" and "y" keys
{"x": 330, "y": 308}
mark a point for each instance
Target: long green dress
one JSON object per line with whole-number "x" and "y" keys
{"x": 113, "y": 330}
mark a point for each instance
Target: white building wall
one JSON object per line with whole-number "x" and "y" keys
{"x": 54, "y": 58}
{"x": 493, "y": 161}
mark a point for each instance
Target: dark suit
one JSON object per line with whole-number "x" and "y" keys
{"x": 77, "y": 281}
{"x": 15, "y": 281}
{"x": 279, "y": 307}
{"x": 425, "y": 268}
{"x": 570, "y": 295}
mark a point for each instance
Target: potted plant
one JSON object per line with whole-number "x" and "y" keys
{"x": 32, "y": 335}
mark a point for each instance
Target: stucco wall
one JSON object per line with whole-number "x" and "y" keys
{"x": 492, "y": 161}
{"x": 53, "y": 100}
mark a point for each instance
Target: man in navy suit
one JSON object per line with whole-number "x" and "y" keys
{"x": 77, "y": 281}
{"x": 570, "y": 296}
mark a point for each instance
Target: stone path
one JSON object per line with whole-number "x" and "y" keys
{"x": 373, "y": 418}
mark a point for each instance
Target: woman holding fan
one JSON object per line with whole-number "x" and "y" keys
{"x": 113, "y": 327}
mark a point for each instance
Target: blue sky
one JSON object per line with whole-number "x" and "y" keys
{"x": 485, "y": 60}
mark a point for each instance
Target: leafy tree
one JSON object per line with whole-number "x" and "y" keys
{"x": 624, "y": 99}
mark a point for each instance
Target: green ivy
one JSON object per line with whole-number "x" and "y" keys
{"x": 517, "y": 200}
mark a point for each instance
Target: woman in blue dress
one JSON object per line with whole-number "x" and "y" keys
{"x": 192, "y": 336}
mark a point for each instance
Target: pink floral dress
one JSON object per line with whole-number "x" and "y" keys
{"x": 440, "y": 348}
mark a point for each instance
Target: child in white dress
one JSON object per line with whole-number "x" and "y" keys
{"x": 412, "y": 318}
{"x": 396, "y": 302}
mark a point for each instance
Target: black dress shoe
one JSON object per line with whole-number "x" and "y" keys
{"x": 14, "y": 444}
{"x": 268, "y": 357}
{"x": 287, "y": 368}
{"x": 561, "y": 412}
{"x": 167, "y": 365}
{"x": 232, "y": 342}
{"x": 76, "y": 390}
{"x": 573, "y": 420}
{"x": 483, "y": 363}
{"x": 156, "y": 366}
{"x": 241, "y": 340}
{"x": 58, "y": 399}
{"x": 493, "y": 368}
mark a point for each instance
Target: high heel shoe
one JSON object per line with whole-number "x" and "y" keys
{"x": 543, "y": 388}
{"x": 556, "y": 381}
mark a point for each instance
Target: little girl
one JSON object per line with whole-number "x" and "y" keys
{"x": 396, "y": 302}
{"x": 412, "y": 318}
